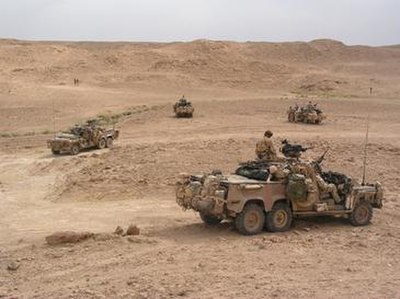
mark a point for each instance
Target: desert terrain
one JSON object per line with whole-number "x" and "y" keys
{"x": 239, "y": 90}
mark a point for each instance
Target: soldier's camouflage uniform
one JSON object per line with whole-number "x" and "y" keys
{"x": 308, "y": 171}
{"x": 315, "y": 183}
{"x": 328, "y": 188}
{"x": 291, "y": 114}
{"x": 278, "y": 173}
{"x": 265, "y": 150}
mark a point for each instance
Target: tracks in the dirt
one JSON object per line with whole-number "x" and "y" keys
{"x": 216, "y": 136}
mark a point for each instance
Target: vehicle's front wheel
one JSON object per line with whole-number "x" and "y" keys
{"x": 209, "y": 219}
{"x": 251, "y": 220}
{"x": 55, "y": 152}
{"x": 109, "y": 142}
{"x": 75, "y": 149}
{"x": 102, "y": 143}
{"x": 362, "y": 214}
{"x": 279, "y": 218}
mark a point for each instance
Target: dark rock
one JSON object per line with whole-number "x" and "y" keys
{"x": 67, "y": 237}
{"x": 133, "y": 230}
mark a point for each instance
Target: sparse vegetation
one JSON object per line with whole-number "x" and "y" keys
{"x": 104, "y": 119}
{"x": 111, "y": 118}
{"x": 24, "y": 134}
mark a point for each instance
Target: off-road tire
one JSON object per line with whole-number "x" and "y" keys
{"x": 362, "y": 214}
{"x": 109, "y": 142}
{"x": 102, "y": 143}
{"x": 251, "y": 220}
{"x": 279, "y": 219}
{"x": 209, "y": 219}
{"x": 75, "y": 149}
{"x": 55, "y": 152}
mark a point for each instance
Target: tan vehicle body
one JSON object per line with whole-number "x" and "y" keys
{"x": 228, "y": 197}
{"x": 73, "y": 142}
{"x": 308, "y": 117}
{"x": 245, "y": 190}
{"x": 307, "y": 114}
{"x": 183, "y": 109}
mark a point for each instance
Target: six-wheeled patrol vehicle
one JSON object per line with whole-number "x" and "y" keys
{"x": 82, "y": 137}
{"x": 253, "y": 198}
{"x": 309, "y": 114}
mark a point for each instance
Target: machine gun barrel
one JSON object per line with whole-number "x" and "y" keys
{"x": 293, "y": 150}
{"x": 320, "y": 159}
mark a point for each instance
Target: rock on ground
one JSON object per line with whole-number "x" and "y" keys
{"x": 67, "y": 237}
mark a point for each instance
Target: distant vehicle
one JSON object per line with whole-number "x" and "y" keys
{"x": 82, "y": 137}
{"x": 253, "y": 198}
{"x": 183, "y": 108}
{"x": 309, "y": 114}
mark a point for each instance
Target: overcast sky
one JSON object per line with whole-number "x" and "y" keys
{"x": 371, "y": 22}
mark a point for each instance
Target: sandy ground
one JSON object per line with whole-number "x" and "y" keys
{"x": 176, "y": 255}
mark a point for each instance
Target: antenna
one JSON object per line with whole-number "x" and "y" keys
{"x": 365, "y": 153}
{"x": 54, "y": 119}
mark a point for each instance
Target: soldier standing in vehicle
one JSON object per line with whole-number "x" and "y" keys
{"x": 310, "y": 106}
{"x": 182, "y": 101}
{"x": 265, "y": 149}
{"x": 307, "y": 170}
{"x": 291, "y": 114}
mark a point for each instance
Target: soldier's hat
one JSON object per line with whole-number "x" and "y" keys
{"x": 273, "y": 169}
{"x": 268, "y": 133}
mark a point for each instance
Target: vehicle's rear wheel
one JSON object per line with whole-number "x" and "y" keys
{"x": 279, "y": 218}
{"x": 109, "y": 142}
{"x": 251, "y": 220}
{"x": 102, "y": 143}
{"x": 55, "y": 152}
{"x": 209, "y": 219}
{"x": 75, "y": 149}
{"x": 362, "y": 214}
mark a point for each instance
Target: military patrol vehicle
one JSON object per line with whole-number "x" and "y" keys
{"x": 183, "y": 108}
{"x": 82, "y": 137}
{"x": 309, "y": 114}
{"x": 272, "y": 194}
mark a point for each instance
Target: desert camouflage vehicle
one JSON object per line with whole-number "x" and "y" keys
{"x": 253, "y": 198}
{"x": 183, "y": 108}
{"x": 82, "y": 137}
{"x": 309, "y": 114}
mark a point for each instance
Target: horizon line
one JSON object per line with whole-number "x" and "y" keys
{"x": 190, "y": 41}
